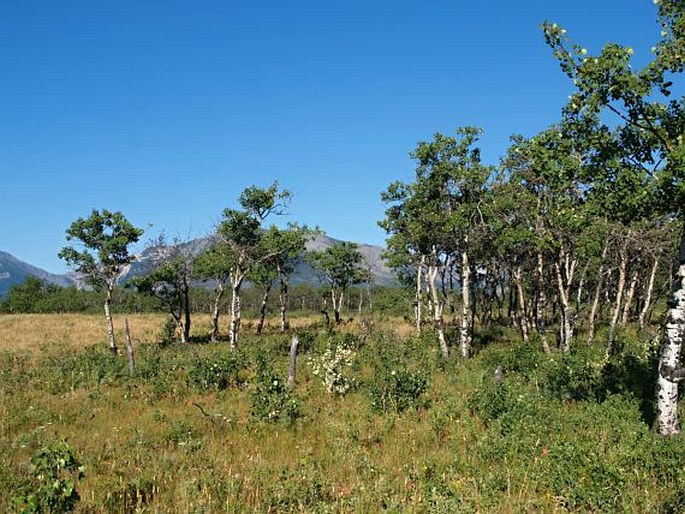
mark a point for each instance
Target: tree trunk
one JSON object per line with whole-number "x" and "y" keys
{"x": 598, "y": 292}
{"x": 221, "y": 287}
{"x": 129, "y": 349}
{"x": 466, "y": 331}
{"x": 669, "y": 355}
{"x": 110, "y": 323}
{"x": 540, "y": 303}
{"x": 648, "y": 295}
{"x": 283, "y": 303}
{"x": 262, "y": 308}
{"x": 523, "y": 318}
{"x": 432, "y": 275}
{"x": 292, "y": 368}
{"x": 337, "y": 304}
{"x": 623, "y": 264}
{"x": 186, "y": 311}
{"x": 234, "y": 330}
{"x": 629, "y": 297}
{"x": 419, "y": 296}
{"x": 565, "y": 329}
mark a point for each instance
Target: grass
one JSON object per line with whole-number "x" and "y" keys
{"x": 465, "y": 445}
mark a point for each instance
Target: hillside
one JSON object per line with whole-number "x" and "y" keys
{"x": 14, "y": 271}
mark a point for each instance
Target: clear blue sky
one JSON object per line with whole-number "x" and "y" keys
{"x": 166, "y": 110}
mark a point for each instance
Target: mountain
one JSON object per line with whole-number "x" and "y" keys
{"x": 13, "y": 271}
{"x": 304, "y": 273}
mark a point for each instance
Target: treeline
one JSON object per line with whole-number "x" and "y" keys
{"x": 37, "y": 296}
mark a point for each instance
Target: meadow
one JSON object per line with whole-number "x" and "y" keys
{"x": 378, "y": 421}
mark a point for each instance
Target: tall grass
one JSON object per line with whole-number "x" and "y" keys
{"x": 181, "y": 434}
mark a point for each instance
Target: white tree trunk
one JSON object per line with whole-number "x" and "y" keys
{"x": 110, "y": 323}
{"x": 283, "y": 303}
{"x": 566, "y": 331}
{"x": 540, "y": 303}
{"x": 418, "y": 310}
{"x": 523, "y": 318}
{"x": 669, "y": 356}
{"x": 432, "y": 276}
{"x": 648, "y": 295}
{"x": 598, "y": 291}
{"x": 623, "y": 264}
{"x": 466, "y": 331}
{"x": 629, "y": 297}
{"x": 221, "y": 287}
{"x": 234, "y": 330}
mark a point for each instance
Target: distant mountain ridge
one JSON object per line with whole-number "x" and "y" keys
{"x": 14, "y": 271}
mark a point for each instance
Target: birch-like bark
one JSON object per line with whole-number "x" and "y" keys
{"x": 283, "y": 303}
{"x": 466, "y": 331}
{"x": 185, "y": 335}
{"x": 648, "y": 295}
{"x": 540, "y": 303}
{"x": 523, "y": 317}
{"x": 669, "y": 355}
{"x": 216, "y": 309}
{"x": 629, "y": 297}
{"x": 129, "y": 348}
{"x": 432, "y": 275}
{"x": 292, "y": 367}
{"x": 565, "y": 330}
{"x": 598, "y": 292}
{"x": 623, "y": 265}
{"x": 337, "y": 304}
{"x": 234, "y": 330}
{"x": 418, "y": 309}
{"x": 262, "y": 308}
{"x": 110, "y": 323}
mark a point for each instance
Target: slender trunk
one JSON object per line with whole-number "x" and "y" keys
{"x": 110, "y": 323}
{"x": 432, "y": 275}
{"x": 216, "y": 309}
{"x": 523, "y": 318}
{"x": 262, "y": 308}
{"x": 283, "y": 303}
{"x": 623, "y": 264}
{"x": 186, "y": 311}
{"x": 292, "y": 367}
{"x": 541, "y": 303}
{"x": 129, "y": 349}
{"x": 337, "y": 304}
{"x": 598, "y": 292}
{"x": 565, "y": 329}
{"x": 234, "y": 330}
{"x": 669, "y": 355}
{"x": 581, "y": 285}
{"x": 629, "y": 297}
{"x": 466, "y": 331}
{"x": 418, "y": 314}
{"x": 361, "y": 303}
{"x": 648, "y": 295}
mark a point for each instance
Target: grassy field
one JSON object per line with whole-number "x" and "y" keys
{"x": 198, "y": 428}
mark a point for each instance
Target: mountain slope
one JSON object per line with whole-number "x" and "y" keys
{"x": 13, "y": 271}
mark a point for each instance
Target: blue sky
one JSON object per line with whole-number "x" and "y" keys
{"x": 166, "y": 110}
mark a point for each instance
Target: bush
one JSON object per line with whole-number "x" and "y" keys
{"x": 52, "y": 483}
{"x": 271, "y": 399}
{"x": 217, "y": 372}
{"x": 333, "y": 367}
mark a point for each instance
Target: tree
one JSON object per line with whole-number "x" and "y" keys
{"x": 105, "y": 237}
{"x": 650, "y": 132}
{"x": 169, "y": 282}
{"x": 340, "y": 267}
{"x": 432, "y": 221}
{"x": 215, "y": 264}
{"x": 240, "y": 233}
{"x": 286, "y": 247}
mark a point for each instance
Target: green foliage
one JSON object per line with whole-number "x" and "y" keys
{"x": 217, "y": 372}
{"x": 105, "y": 237}
{"x": 333, "y": 367}
{"x": 52, "y": 483}
{"x": 398, "y": 383}
{"x": 270, "y": 399}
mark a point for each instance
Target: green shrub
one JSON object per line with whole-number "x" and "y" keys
{"x": 270, "y": 399}
{"x": 51, "y": 486}
{"x": 217, "y": 372}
